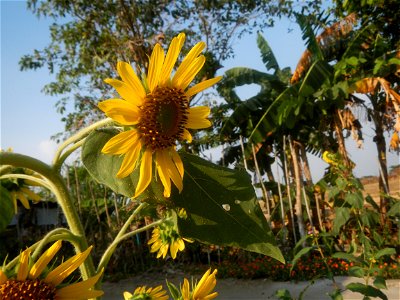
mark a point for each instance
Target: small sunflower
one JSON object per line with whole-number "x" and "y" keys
{"x": 166, "y": 237}
{"x": 156, "y": 114}
{"x": 33, "y": 282}
{"x": 203, "y": 290}
{"x": 144, "y": 293}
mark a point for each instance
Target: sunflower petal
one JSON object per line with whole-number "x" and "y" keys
{"x": 172, "y": 55}
{"x": 202, "y": 86}
{"x": 121, "y": 143}
{"x": 31, "y": 194}
{"x": 155, "y": 67}
{"x": 178, "y": 162}
{"x": 130, "y": 160}
{"x": 187, "y": 136}
{"x": 23, "y": 200}
{"x": 127, "y": 295}
{"x": 166, "y": 163}
{"x": 124, "y": 90}
{"x": 81, "y": 290}
{"x": 163, "y": 174}
{"x": 193, "y": 53}
{"x": 44, "y": 260}
{"x": 3, "y": 277}
{"x": 56, "y": 276}
{"x": 191, "y": 71}
{"x": 145, "y": 172}
{"x": 174, "y": 249}
{"x": 23, "y": 265}
{"x": 197, "y": 117}
{"x": 120, "y": 111}
{"x": 127, "y": 74}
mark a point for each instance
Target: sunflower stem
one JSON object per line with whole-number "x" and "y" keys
{"x": 64, "y": 199}
{"x": 73, "y": 239}
{"x": 111, "y": 248}
{"x": 76, "y": 138}
{"x": 27, "y": 177}
{"x": 53, "y": 238}
{"x": 67, "y": 153}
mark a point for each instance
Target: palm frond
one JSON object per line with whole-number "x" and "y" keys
{"x": 323, "y": 43}
{"x": 267, "y": 55}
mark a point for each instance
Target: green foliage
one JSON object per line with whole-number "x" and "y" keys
{"x": 366, "y": 290}
{"x": 7, "y": 208}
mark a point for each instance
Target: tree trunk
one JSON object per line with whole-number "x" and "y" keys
{"x": 379, "y": 140}
{"x": 297, "y": 175}
{"x": 337, "y": 124}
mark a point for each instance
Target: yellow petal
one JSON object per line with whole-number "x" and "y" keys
{"x": 185, "y": 290}
{"x": 211, "y": 296}
{"x": 172, "y": 55}
{"x": 14, "y": 200}
{"x": 202, "y": 86}
{"x": 197, "y": 117}
{"x": 155, "y": 67}
{"x": 44, "y": 260}
{"x": 189, "y": 74}
{"x": 3, "y": 277}
{"x": 181, "y": 244}
{"x": 145, "y": 172}
{"x": 169, "y": 168}
{"x": 130, "y": 160}
{"x": 23, "y": 200}
{"x": 56, "y": 276}
{"x": 187, "y": 136}
{"x": 120, "y": 111}
{"x": 121, "y": 143}
{"x": 163, "y": 174}
{"x": 187, "y": 61}
{"x": 178, "y": 162}
{"x": 125, "y": 91}
{"x": 127, "y": 295}
{"x": 31, "y": 194}
{"x": 174, "y": 249}
{"x": 129, "y": 76}
{"x": 23, "y": 265}
{"x": 81, "y": 290}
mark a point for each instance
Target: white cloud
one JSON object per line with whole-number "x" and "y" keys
{"x": 46, "y": 150}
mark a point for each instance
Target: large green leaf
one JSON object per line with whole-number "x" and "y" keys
{"x": 318, "y": 73}
{"x": 366, "y": 290}
{"x": 267, "y": 55}
{"x": 104, "y": 167}
{"x": 341, "y": 218}
{"x": 222, "y": 208}
{"x": 7, "y": 208}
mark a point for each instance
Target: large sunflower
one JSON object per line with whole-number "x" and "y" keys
{"x": 33, "y": 281}
{"x": 156, "y": 114}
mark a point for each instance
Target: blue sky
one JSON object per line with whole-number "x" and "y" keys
{"x": 29, "y": 118}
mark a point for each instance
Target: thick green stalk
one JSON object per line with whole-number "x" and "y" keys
{"x": 64, "y": 199}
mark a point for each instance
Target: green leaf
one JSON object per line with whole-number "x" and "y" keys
{"x": 346, "y": 256}
{"x": 366, "y": 290}
{"x": 372, "y": 202}
{"x": 7, "y": 208}
{"x": 267, "y": 55}
{"x": 394, "y": 210}
{"x": 356, "y": 272}
{"x": 173, "y": 290}
{"x": 222, "y": 208}
{"x": 283, "y": 294}
{"x": 380, "y": 282}
{"x": 104, "y": 167}
{"x": 336, "y": 295}
{"x": 383, "y": 252}
{"x": 355, "y": 199}
{"x": 318, "y": 73}
{"x": 298, "y": 255}
{"x": 342, "y": 216}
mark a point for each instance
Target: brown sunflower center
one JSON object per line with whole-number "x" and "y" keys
{"x": 163, "y": 117}
{"x": 27, "y": 290}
